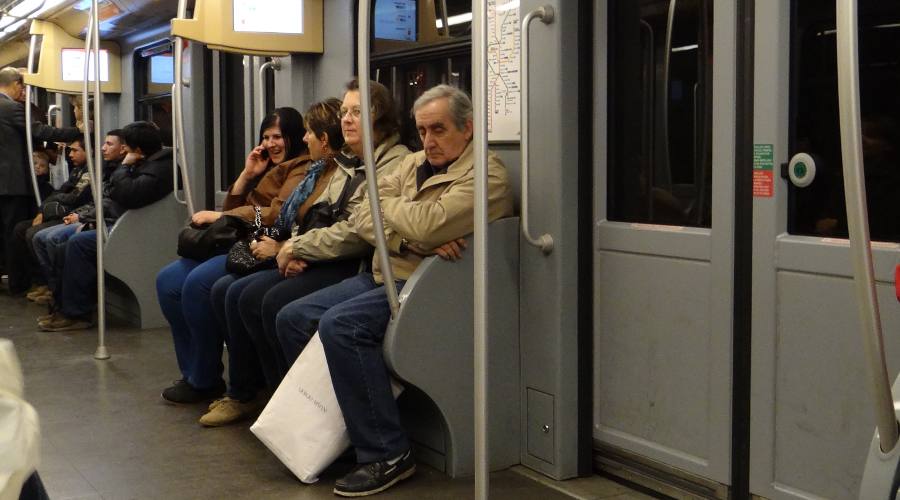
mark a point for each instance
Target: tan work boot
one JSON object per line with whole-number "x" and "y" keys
{"x": 36, "y": 292}
{"x": 227, "y": 410}
{"x": 65, "y": 324}
{"x": 49, "y": 317}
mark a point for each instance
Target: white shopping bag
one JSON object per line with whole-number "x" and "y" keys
{"x": 303, "y": 424}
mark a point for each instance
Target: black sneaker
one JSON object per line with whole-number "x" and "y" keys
{"x": 368, "y": 479}
{"x": 184, "y": 393}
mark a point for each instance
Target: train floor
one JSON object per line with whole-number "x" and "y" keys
{"x": 107, "y": 434}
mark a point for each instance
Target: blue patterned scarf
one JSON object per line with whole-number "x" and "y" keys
{"x": 298, "y": 196}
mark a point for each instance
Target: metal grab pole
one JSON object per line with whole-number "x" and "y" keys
{"x": 29, "y": 140}
{"x": 101, "y": 229}
{"x": 85, "y": 111}
{"x": 179, "y": 156}
{"x": 667, "y": 58}
{"x": 858, "y": 221}
{"x": 365, "y": 97}
{"x": 275, "y": 64}
{"x": 53, "y": 108}
{"x": 545, "y": 14}
{"x": 444, "y": 19}
{"x": 480, "y": 349}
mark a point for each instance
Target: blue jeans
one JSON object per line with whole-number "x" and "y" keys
{"x": 351, "y": 318}
{"x": 267, "y": 293}
{"x": 184, "y": 288}
{"x": 245, "y": 377}
{"x": 77, "y": 291}
{"x": 48, "y": 244}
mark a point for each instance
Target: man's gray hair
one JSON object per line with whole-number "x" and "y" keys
{"x": 458, "y": 101}
{"x": 9, "y": 75}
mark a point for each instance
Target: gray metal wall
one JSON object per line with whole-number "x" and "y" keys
{"x": 548, "y": 306}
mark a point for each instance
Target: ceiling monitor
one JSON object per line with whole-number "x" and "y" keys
{"x": 162, "y": 69}
{"x": 73, "y": 65}
{"x": 274, "y": 28}
{"x": 268, "y": 16}
{"x": 395, "y": 20}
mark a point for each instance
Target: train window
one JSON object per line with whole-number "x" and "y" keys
{"x": 153, "y": 78}
{"x": 819, "y": 209}
{"x": 408, "y": 77}
{"x": 408, "y": 70}
{"x": 399, "y": 25}
{"x": 660, "y": 97}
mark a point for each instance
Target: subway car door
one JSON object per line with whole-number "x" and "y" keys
{"x": 664, "y": 161}
{"x": 812, "y": 416}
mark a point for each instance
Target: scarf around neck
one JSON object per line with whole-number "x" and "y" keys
{"x": 299, "y": 195}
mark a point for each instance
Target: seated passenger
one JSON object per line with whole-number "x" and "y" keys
{"x": 427, "y": 201}
{"x": 75, "y": 192}
{"x": 52, "y": 229}
{"x": 248, "y": 305}
{"x": 143, "y": 177}
{"x": 42, "y": 172}
{"x": 272, "y": 170}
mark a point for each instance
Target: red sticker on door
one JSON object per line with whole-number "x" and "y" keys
{"x": 763, "y": 171}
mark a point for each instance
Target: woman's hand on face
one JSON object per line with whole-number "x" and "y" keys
{"x": 265, "y": 248}
{"x": 256, "y": 164}
{"x": 205, "y": 217}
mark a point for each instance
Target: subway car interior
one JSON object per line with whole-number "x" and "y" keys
{"x": 674, "y": 271}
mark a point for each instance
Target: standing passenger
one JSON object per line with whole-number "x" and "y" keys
{"x": 16, "y": 196}
{"x": 427, "y": 201}
{"x": 271, "y": 171}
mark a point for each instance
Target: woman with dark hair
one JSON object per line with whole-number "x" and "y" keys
{"x": 249, "y": 305}
{"x": 271, "y": 172}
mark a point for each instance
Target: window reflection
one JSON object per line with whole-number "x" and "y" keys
{"x": 399, "y": 25}
{"x": 660, "y": 98}
{"x": 819, "y": 209}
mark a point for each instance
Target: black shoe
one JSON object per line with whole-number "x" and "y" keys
{"x": 368, "y": 479}
{"x": 184, "y": 393}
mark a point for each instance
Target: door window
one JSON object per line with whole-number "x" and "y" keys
{"x": 819, "y": 209}
{"x": 660, "y": 101}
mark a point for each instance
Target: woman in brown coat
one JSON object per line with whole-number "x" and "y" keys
{"x": 272, "y": 170}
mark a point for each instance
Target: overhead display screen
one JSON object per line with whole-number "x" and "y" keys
{"x": 73, "y": 65}
{"x": 395, "y": 20}
{"x": 162, "y": 69}
{"x": 268, "y": 16}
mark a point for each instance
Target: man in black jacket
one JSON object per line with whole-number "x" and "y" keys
{"x": 144, "y": 177}
{"x": 74, "y": 193}
{"x": 16, "y": 197}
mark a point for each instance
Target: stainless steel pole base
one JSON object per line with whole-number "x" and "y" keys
{"x": 101, "y": 353}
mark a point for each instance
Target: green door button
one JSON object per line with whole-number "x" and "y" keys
{"x": 802, "y": 170}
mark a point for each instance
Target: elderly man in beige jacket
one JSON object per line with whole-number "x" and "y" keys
{"x": 427, "y": 202}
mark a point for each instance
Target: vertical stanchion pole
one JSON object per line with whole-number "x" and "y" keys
{"x": 858, "y": 221}
{"x": 480, "y": 140}
{"x": 29, "y": 141}
{"x": 179, "y": 155}
{"x": 275, "y": 64}
{"x": 101, "y": 230}
{"x": 365, "y": 98}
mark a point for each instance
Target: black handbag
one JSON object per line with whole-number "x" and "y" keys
{"x": 240, "y": 257}
{"x": 54, "y": 210}
{"x": 200, "y": 242}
